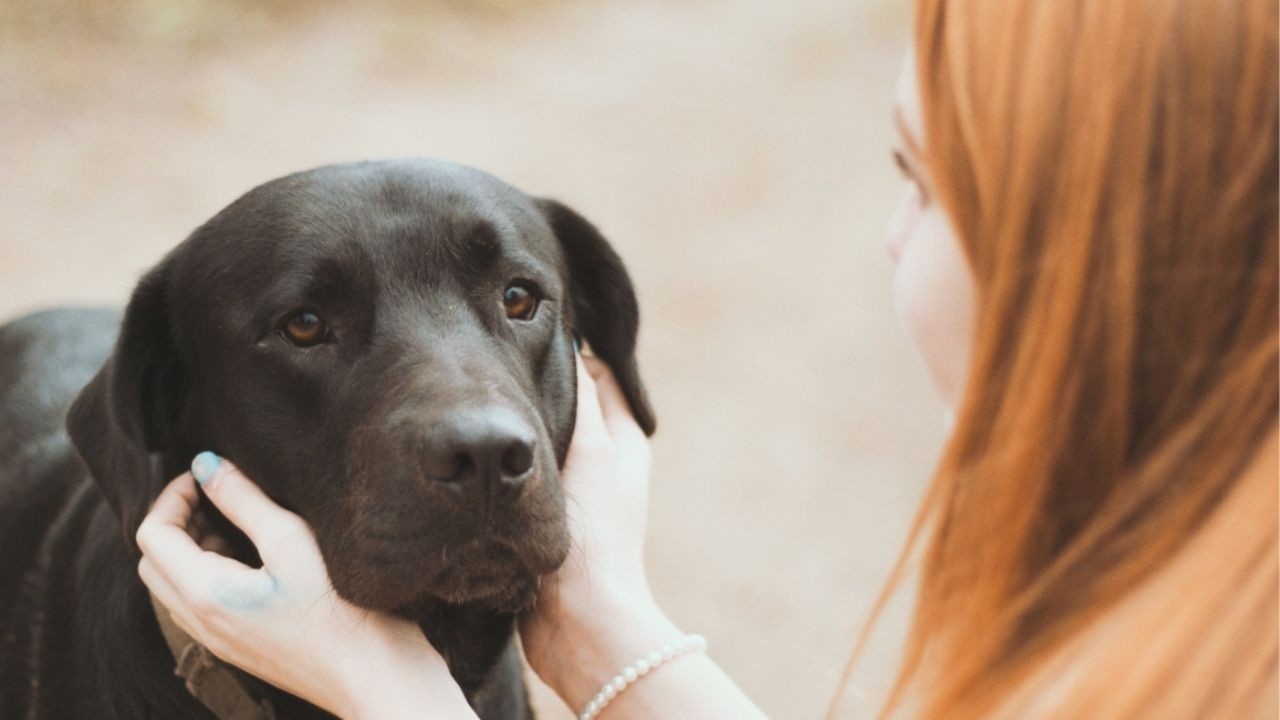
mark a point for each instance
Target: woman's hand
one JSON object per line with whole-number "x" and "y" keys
{"x": 596, "y": 614}
{"x": 283, "y": 622}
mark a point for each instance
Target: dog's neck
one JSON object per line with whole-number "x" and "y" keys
{"x": 471, "y": 639}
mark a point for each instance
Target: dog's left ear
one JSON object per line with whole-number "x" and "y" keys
{"x": 129, "y": 409}
{"x": 605, "y": 311}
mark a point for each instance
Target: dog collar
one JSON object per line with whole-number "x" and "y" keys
{"x": 207, "y": 679}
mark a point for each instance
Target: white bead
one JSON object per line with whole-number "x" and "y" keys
{"x": 639, "y": 668}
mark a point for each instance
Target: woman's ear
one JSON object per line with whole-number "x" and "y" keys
{"x": 128, "y": 410}
{"x": 603, "y": 303}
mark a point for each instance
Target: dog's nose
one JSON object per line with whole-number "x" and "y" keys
{"x": 486, "y": 452}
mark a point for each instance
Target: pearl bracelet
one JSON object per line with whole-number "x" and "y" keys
{"x": 640, "y": 668}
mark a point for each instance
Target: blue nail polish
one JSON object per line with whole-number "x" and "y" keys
{"x": 577, "y": 344}
{"x": 205, "y": 466}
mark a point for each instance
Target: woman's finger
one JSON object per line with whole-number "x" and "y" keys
{"x": 198, "y": 575}
{"x": 176, "y": 504}
{"x": 614, "y": 408}
{"x": 168, "y": 595}
{"x": 163, "y": 538}
{"x": 589, "y": 416}
{"x": 158, "y": 585}
{"x": 163, "y": 533}
{"x": 268, "y": 525}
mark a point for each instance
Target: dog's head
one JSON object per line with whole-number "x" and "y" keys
{"x": 387, "y": 349}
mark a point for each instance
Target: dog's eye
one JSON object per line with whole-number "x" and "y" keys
{"x": 305, "y": 329}
{"x": 519, "y": 301}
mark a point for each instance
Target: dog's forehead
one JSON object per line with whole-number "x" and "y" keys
{"x": 399, "y": 210}
{"x": 351, "y": 228}
{"x": 414, "y": 203}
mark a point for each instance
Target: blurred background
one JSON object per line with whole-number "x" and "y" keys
{"x": 735, "y": 151}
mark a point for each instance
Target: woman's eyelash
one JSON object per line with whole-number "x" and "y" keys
{"x": 905, "y": 167}
{"x": 901, "y": 162}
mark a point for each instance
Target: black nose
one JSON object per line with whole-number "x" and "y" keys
{"x": 485, "y": 452}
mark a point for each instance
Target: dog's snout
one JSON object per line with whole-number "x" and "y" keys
{"x": 485, "y": 452}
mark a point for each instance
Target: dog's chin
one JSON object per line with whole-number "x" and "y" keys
{"x": 510, "y": 594}
{"x": 492, "y": 577}
{"x": 496, "y": 581}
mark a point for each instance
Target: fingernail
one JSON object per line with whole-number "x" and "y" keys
{"x": 204, "y": 468}
{"x": 577, "y": 344}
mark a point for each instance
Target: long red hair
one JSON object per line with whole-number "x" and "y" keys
{"x": 1100, "y": 538}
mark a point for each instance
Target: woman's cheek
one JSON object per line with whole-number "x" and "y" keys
{"x": 903, "y": 221}
{"x": 934, "y": 293}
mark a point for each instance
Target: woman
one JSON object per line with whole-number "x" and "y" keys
{"x": 1087, "y": 263}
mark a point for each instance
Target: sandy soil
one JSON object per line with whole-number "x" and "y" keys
{"x": 734, "y": 150}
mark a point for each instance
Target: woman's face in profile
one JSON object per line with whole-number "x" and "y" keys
{"x": 933, "y": 289}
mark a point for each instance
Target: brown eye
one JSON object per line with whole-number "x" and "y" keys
{"x": 305, "y": 329}
{"x": 519, "y": 302}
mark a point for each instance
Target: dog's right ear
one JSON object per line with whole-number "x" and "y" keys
{"x": 605, "y": 310}
{"x": 128, "y": 409}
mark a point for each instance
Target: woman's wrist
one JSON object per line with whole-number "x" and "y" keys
{"x": 603, "y": 634}
{"x": 416, "y": 699}
{"x": 401, "y": 679}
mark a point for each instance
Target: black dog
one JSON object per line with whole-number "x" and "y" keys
{"x": 387, "y": 348}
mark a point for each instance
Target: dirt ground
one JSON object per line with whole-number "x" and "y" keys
{"x": 736, "y": 152}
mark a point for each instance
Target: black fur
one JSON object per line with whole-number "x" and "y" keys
{"x": 407, "y": 262}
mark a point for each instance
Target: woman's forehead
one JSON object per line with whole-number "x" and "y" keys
{"x": 907, "y": 112}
